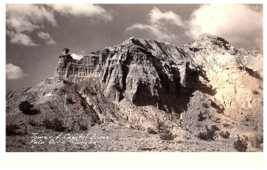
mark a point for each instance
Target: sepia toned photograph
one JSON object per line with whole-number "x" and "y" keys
{"x": 134, "y": 78}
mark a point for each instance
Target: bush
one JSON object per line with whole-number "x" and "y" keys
{"x": 33, "y": 123}
{"x": 27, "y": 108}
{"x": 47, "y": 123}
{"x": 226, "y": 125}
{"x": 164, "y": 132}
{"x": 255, "y": 92}
{"x": 162, "y": 127}
{"x": 256, "y": 140}
{"x": 12, "y": 130}
{"x": 58, "y": 125}
{"x": 241, "y": 144}
{"x": 83, "y": 127}
{"x": 210, "y": 134}
{"x": 206, "y": 105}
{"x": 224, "y": 134}
{"x": 55, "y": 124}
{"x": 70, "y": 101}
{"x": 150, "y": 130}
{"x": 166, "y": 136}
{"x": 201, "y": 116}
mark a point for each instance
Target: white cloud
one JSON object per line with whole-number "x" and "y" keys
{"x": 47, "y": 37}
{"x": 89, "y": 10}
{"x": 44, "y": 35}
{"x": 154, "y": 30}
{"x": 77, "y": 56}
{"x": 27, "y": 17}
{"x": 20, "y": 38}
{"x": 239, "y": 24}
{"x": 51, "y": 42}
{"x": 14, "y": 72}
{"x": 156, "y": 25}
{"x": 23, "y": 19}
{"x": 156, "y": 17}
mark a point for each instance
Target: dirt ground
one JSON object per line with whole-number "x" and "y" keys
{"x": 111, "y": 138}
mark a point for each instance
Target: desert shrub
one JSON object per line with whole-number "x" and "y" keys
{"x": 255, "y": 122}
{"x": 62, "y": 92}
{"x": 241, "y": 144}
{"x": 226, "y": 125}
{"x": 33, "y": 123}
{"x": 199, "y": 125}
{"x": 224, "y": 134}
{"x": 255, "y": 92}
{"x": 150, "y": 130}
{"x": 67, "y": 82}
{"x": 47, "y": 123}
{"x": 162, "y": 127}
{"x": 55, "y": 124}
{"x": 206, "y": 105}
{"x": 27, "y": 108}
{"x": 83, "y": 127}
{"x": 256, "y": 140}
{"x": 164, "y": 132}
{"x": 210, "y": 134}
{"x": 167, "y": 135}
{"x": 58, "y": 125}
{"x": 201, "y": 116}
{"x": 255, "y": 127}
{"x": 137, "y": 127}
{"x": 12, "y": 130}
{"x": 93, "y": 93}
{"x": 70, "y": 101}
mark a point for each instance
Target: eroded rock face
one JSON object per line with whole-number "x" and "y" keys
{"x": 145, "y": 72}
{"x": 143, "y": 83}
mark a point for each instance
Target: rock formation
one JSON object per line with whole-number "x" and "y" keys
{"x": 143, "y": 83}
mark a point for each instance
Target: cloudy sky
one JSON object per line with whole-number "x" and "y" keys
{"x": 36, "y": 34}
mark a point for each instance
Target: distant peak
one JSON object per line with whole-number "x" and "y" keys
{"x": 141, "y": 41}
{"x": 204, "y": 36}
{"x": 209, "y": 37}
{"x": 129, "y": 41}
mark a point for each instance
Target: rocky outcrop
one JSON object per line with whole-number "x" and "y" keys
{"x": 144, "y": 72}
{"x": 143, "y": 83}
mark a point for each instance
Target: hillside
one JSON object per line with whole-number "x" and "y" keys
{"x": 144, "y": 91}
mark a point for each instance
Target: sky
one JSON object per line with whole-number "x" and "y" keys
{"x": 36, "y": 34}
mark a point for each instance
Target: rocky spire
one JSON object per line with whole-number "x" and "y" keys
{"x": 65, "y": 51}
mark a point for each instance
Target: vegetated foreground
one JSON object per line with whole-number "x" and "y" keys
{"x": 144, "y": 95}
{"x": 121, "y": 139}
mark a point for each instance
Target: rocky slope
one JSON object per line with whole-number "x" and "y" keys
{"x": 147, "y": 84}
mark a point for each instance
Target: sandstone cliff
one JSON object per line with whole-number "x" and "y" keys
{"x": 143, "y": 84}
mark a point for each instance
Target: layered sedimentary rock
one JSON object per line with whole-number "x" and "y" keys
{"x": 142, "y": 83}
{"x": 145, "y": 72}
